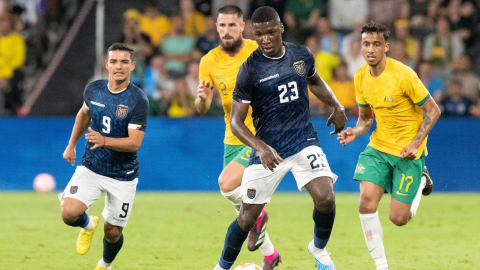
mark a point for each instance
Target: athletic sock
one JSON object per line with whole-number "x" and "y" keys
{"x": 416, "y": 201}
{"x": 267, "y": 247}
{"x": 90, "y": 224}
{"x": 110, "y": 250}
{"x": 323, "y": 227}
{"x": 82, "y": 221}
{"x": 233, "y": 244}
{"x": 217, "y": 267}
{"x": 105, "y": 265}
{"x": 373, "y": 232}
{"x": 235, "y": 196}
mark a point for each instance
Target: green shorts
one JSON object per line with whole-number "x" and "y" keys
{"x": 238, "y": 153}
{"x": 399, "y": 176}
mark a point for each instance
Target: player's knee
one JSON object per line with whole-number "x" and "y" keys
{"x": 326, "y": 204}
{"x": 367, "y": 205}
{"x": 246, "y": 220}
{"x": 399, "y": 220}
{"x": 112, "y": 233}
{"x": 69, "y": 217}
{"x": 226, "y": 185}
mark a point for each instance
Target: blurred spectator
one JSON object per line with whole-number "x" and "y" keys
{"x": 471, "y": 82}
{"x": 388, "y": 11}
{"x": 456, "y": 104}
{"x": 324, "y": 61}
{"x": 154, "y": 24}
{"x": 441, "y": 47}
{"x": 193, "y": 20}
{"x": 301, "y": 18}
{"x": 12, "y": 60}
{"x": 103, "y": 71}
{"x": 422, "y": 13}
{"x": 248, "y": 30}
{"x": 463, "y": 17}
{"x": 168, "y": 7}
{"x": 398, "y": 51}
{"x": 345, "y": 13}
{"x": 139, "y": 42}
{"x": 177, "y": 50}
{"x": 158, "y": 87}
{"x": 210, "y": 40}
{"x": 34, "y": 10}
{"x": 434, "y": 85}
{"x": 330, "y": 41}
{"x": 355, "y": 34}
{"x": 17, "y": 20}
{"x": 278, "y": 5}
{"x": 353, "y": 56}
{"x": 344, "y": 89}
{"x": 243, "y": 4}
{"x": 204, "y": 7}
{"x": 411, "y": 45}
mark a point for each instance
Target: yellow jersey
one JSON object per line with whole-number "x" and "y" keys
{"x": 220, "y": 69}
{"x": 395, "y": 97}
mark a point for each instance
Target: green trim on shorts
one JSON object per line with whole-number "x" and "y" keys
{"x": 400, "y": 176}
{"x": 238, "y": 153}
{"x": 423, "y": 100}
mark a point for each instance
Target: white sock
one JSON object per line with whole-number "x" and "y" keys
{"x": 90, "y": 224}
{"x": 235, "y": 196}
{"x": 373, "y": 233}
{"x": 320, "y": 254}
{"x": 416, "y": 201}
{"x": 217, "y": 267}
{"x": 267, "y": 248}
{"x": 104, "y": 264}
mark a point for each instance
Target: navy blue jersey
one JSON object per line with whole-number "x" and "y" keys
{"x": 113, "y": 114}
{"x": 277, "y": 91}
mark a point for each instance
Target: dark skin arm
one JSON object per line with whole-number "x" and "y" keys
{"x": 322, "y": 91}
{"x": 268, "y": 156}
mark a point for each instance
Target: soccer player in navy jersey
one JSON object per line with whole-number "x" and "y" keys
{"x": 273, "y": 81}
{"x": 115, "y": 113}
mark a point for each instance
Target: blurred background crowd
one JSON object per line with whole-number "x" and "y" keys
{"x": 439, "y": 39}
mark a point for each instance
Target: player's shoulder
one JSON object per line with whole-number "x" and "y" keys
{"x": 137, "y": 91}
{"x": 96, "y": 85}
{"x": 401, "y": 68}
{"x": 250, "y": 45}
{"x": 361, "y": 71}
{"x": 297, "y": 48}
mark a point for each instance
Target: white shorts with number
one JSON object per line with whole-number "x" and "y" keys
{"x": 259, "y": 184}
{"x": 87, "y": 186}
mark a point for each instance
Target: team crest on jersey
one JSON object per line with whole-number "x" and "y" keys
{"x": 300, "y": 68}
{"x": 122, "y": 111}
{"x": 73, "y": 189}
{"x": 360, "y": 169}
{"x": 251, "y": 193}
{"x": 388, "y": 99}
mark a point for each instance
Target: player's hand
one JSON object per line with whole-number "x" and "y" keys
{"x": 409, "y": 152}
{"x": 203, "y": 90}
{"x": 346, "y": 136}
{"x": 269, "y": 157}
{"x": 338, "y": 118}
{"x": 69, "y": 154}
{"x": 96, "y": 138}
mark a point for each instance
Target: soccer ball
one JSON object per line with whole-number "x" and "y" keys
{"x": 248, "y": 266}
{"x": 44, "y": 183}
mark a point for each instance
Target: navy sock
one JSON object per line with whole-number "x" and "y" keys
{"x": 323, "y": 227}
{"x": 110, "y": 250}
{"x": 233, "y": 244}
{"x": 82, "y": 221}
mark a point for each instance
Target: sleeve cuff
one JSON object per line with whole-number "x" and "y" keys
{"x": 423, "y": 100}
{"x": 362, "y": 105}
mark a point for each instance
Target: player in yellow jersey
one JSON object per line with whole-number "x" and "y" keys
{"x": 220, "y": 67}
{"x": 394, "y": 160}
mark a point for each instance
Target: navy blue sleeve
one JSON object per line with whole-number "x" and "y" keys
{"x": 243, "y": 90}
{"x": 311, "y": 63}
{"x": 139, "y": 116}
{"x": 85, "y": 96}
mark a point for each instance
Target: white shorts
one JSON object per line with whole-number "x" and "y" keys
{"x": 259, "y": 184}
{"x": 87, "y": 186}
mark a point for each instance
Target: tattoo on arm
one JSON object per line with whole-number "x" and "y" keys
{"x": 426, "y": 122}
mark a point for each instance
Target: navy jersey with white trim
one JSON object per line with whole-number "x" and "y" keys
{"x": 277, "y": 91}
{"x": 112, "y": 114}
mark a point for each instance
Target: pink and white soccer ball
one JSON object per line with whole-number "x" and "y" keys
{"x": 44, "y": 183}
{"x": 248, "y": 266}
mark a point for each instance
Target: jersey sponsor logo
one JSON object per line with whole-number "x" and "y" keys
{"x": 97, "y": 104}
{"x": 388, "y": 99}
{"x": 251, "y": 193}
{"x": 269, "y": 78}
{"x": 73, "y": 189}
{"x": 360, "y": 169}
{"x": 122, "y": 111}
{"x": 300, "y": 68}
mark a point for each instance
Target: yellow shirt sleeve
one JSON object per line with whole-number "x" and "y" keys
{"x": 414, "y": 89}
{"x": 204, "y": 73}
{"x": 361, "y": 102}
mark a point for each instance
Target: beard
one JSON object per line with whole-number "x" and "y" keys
{"x": 231, "y": 48}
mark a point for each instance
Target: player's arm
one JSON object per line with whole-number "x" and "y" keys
{"x": 322, "y": 91}
{"x": 204, "y": 97}
{"x": 82, "y": 121}
{"x": 431, "y": 113}
{"x": 268, "y": 156}
{"x": 364, "y": 123}
{"x": 126, "y": 144}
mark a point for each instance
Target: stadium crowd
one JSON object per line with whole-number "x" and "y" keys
{"x": 439, "y": 39}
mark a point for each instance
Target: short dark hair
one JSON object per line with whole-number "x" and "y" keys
{"x": 231, "y": 9}
{"x": 456, "y": 81}
{"x": 373, "y": 27}
{"x": 121, "y": 47}
{"x": 265, "y": 14}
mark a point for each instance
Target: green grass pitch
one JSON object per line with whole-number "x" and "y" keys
{"x": 186, "y": 231}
